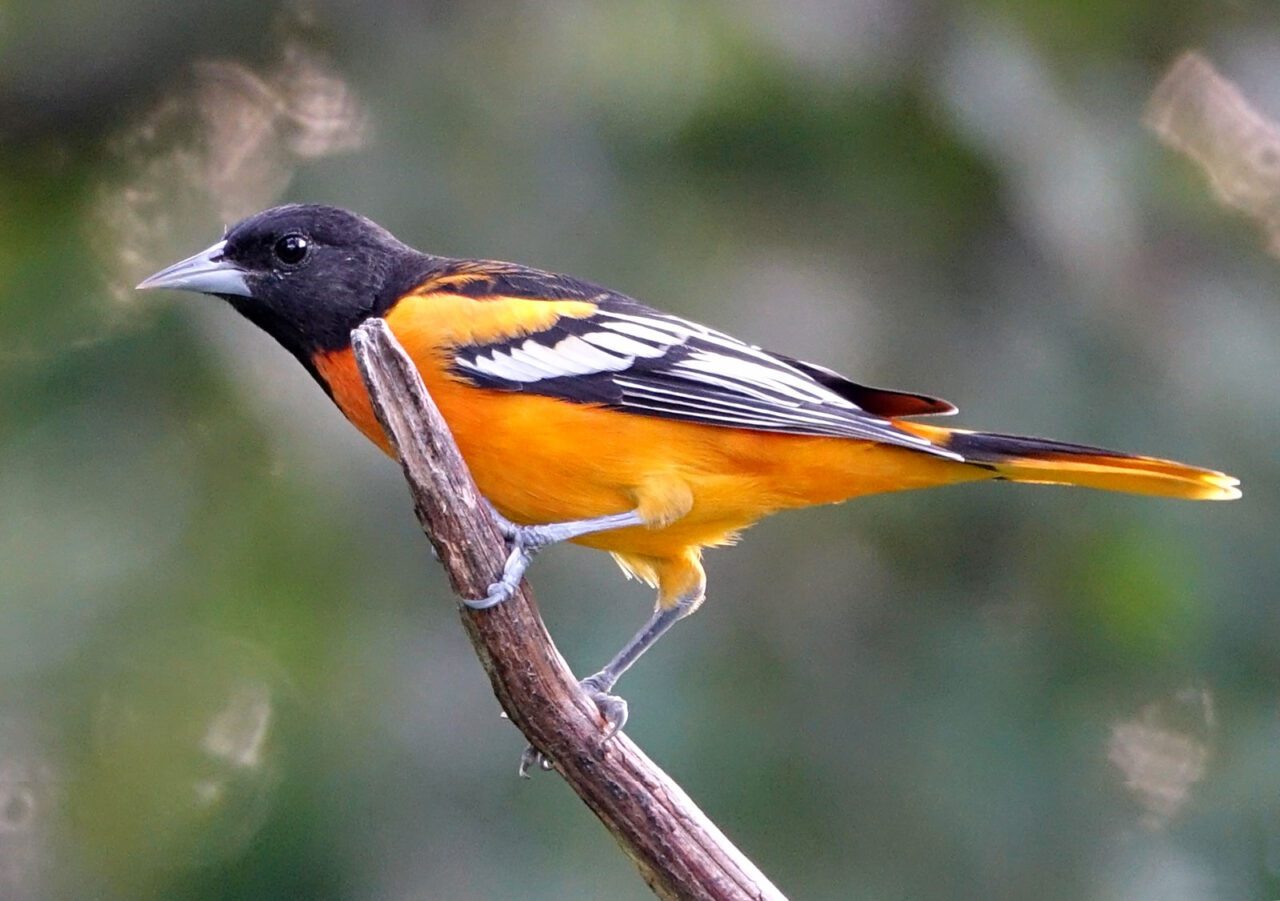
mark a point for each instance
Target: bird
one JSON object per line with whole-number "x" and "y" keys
{"x": 586, "y": 416}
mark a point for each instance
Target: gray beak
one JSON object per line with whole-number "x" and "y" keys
{"x": 208, "y": 272}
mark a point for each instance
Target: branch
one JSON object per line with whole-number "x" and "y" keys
{"x": 680, "y": 853}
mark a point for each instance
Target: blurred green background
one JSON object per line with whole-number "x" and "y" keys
{"x": 229, "y": 667}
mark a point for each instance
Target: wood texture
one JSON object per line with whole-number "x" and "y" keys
{"x": 680, "y": 853}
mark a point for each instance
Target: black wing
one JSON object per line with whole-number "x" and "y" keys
{"x": 629, "y": 357}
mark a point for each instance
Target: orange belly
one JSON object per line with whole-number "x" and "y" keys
{"x": 539, "y": 459}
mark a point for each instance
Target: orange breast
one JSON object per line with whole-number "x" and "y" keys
{"x": 539, "y": 459}
{"x": 339, "y": 370}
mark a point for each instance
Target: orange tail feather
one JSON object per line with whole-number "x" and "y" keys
{"x": 1038, "y": 460}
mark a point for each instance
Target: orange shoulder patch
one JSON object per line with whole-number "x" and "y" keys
{"x": 440, "y": 319}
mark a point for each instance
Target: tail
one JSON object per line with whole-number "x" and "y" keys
{"x": 1039, "y": 461}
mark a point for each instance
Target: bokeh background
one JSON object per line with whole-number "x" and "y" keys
{"x": 229, "y": 667}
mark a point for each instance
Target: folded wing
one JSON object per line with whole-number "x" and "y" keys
{"x": 632, "y": 358}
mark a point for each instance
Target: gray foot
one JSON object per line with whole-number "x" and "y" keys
{"x": 525, "y": 541}
{"x": 613, "y": 710}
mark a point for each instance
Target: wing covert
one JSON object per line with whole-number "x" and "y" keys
{"x": 629, "y": 357}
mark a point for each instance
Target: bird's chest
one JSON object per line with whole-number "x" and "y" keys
{"x": 341, "y": 376}
{"x": 536, "y": 458}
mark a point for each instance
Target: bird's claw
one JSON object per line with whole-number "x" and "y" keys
{"x": 508, "y": 529}
{"x": 613, "y": 710}
{"x": 522, "y": 545}
{"x": 525, "y": 541}
{"x": 532, "y": 758}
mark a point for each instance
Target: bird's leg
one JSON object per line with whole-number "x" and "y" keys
{"x": 525, "y": 541}
{"x": 613, "y": 708}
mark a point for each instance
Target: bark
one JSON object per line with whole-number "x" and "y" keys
{"x": 680, "y": 853}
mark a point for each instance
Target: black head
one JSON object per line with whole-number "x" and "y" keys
{"x": 306, "y": 274}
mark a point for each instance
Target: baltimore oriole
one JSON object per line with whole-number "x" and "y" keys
{"x": 587, "y": 416}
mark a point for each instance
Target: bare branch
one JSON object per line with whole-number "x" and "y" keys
{"x": 680, "y": 853}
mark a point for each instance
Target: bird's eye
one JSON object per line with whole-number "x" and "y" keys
{"x": 292, "y": 249}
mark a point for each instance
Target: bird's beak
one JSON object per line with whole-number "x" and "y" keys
{"x": 208, "y": 272}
